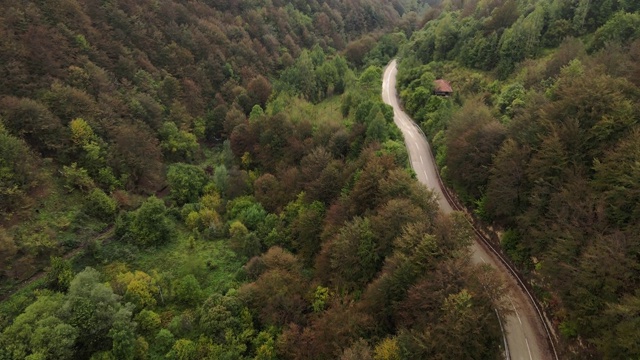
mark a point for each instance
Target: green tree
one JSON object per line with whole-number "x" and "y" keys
{"x": 521, "y": 40}
{"x": 619, "y": 341}
{"x": 445, "y": 36}
{"x": 122, "y": 334}
{"x": 141, "y": 348}
{"x": 217, "y": 314}
{"x": 77, "y": 178}
{"x": 265, "y": 345}
{"x": 622, "y": 28}
{"x": 511, "y": 98}
{"x": 371, "y": 79}
{"x": 40, "y": 330}
{"x": 377, "y": 129}
{"x": 187, "y": 290}
{"x": 53, "y": 338}
{"x": 91, "y": 307}
{"x": 183, "y": 349}
{"x": 177, "y": 145}
{"x": 60, "y": 274}
{"x": 138, "y": 288}
{"x": 243, "y": 242}
{"x": 256, "y": 112}
{"x": 473, "y": 138}
{"x": 320, "y": 299}
{"x": 100, "y": 205}
{"x": 366, "y": 193}
{"x": 300, "y": 78}
{"x": 148, "y": 322}
{"x": 391, "y": 218}
{"x": 614, "y": 180}
{"x": 306, "y": 229}
{"x": 34, "y": 123}
{"x": 399, "y": 152}
{"x": 246, "y": 210}
{"x": 186, "y": 182}
{"x": 214, "y": 123}
{"x": 353, "y": 255}
{"x": 221, "y": 178}
{"x": 164, "y": 340}
{"x": 18, "y": 171}
{"x": 149, "y": 225}
{"x": 506, "y": 190}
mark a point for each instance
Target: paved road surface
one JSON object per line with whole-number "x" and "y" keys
{"x": 524, "y": 331}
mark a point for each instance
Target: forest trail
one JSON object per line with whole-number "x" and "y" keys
{"x": 526, "y": 336}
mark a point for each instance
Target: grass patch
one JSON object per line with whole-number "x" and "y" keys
{"x": 328, "y": 111}
{"x": 298, "y": 110}
{"x": 212, "y": 262}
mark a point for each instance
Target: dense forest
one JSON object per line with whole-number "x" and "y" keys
{"x": 101, "y": 96}
{"x": 542, "y": 140}
{"x": 220, "y": 180}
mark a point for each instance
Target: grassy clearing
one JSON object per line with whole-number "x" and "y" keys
{"x": 298, "y": 110}
{"x": 212, "y": 262}
{"x": 328, "y": 111}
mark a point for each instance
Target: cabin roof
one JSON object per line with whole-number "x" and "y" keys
{"x": 442, "y": 86}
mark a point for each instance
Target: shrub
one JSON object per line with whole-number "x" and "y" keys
{"x": 100, "y": 205}
{"x": 77, "y": 178}
{"x": 186, "y": 182}
{"x": 149, "y": 225}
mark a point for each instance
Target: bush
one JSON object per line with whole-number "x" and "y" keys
{"x": 60, "y": 274}
{"x": 515, "y": 249}
{"x": 247, "y": 210}
{"x": 100, "y": 205}
{"x": 243, "y": 242}
{"x": 149, "y": 225}
{"x": 148, "y": 321}
{"x": 187, "y": 290}
{"x": 77, "y": 178}
{"x": 186, "y": 182}
{"x": 18, "y": 171}
{"x": 164, "y": 340}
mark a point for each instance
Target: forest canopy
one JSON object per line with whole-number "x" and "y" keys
{"x": 101, "y": 97}
{"x": 221, "y": 180}
{"x": 540, "y": 140}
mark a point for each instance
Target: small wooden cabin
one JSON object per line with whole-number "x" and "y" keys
{"x": 442, "y": 88}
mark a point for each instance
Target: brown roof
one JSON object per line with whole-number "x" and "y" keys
{"x": 442, "y": 86}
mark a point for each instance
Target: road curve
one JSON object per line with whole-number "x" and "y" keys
{"x": 526, "y": 335}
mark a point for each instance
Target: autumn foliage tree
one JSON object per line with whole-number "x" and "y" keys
{"x": 545, "y": 151}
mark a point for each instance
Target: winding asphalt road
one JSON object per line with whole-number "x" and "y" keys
{"x": 525, "y": 335}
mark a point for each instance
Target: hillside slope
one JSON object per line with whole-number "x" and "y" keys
{"x": 541, "y": 139}
{"x": 103, "y": 95}
{"x": 304, "y": 226}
